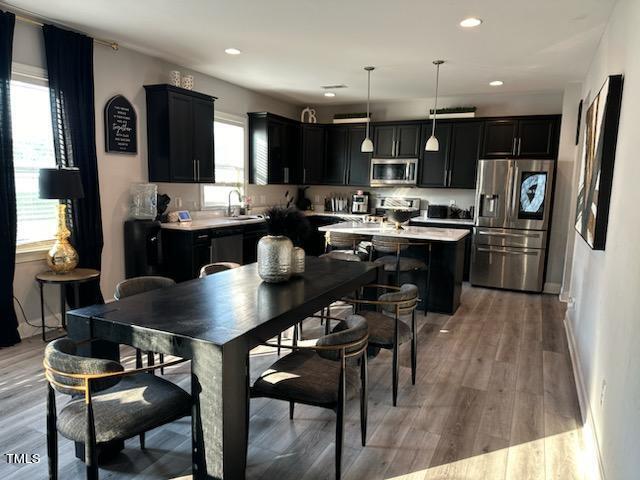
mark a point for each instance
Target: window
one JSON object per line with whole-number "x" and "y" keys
{"x": 32, "y": 150}
{"x": 229, "y": 155}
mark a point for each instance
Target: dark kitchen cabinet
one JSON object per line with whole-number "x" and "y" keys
{"x": 434, "y": 165}
{"x": 179, "y": 135}
{"x": 359, "y": 163}
{"x": 454, "y": 164}
{"x": 313, "y": 154}
{"x": 399, "y": 140}
{"x": 466, "y": 139}
{"x": 337, "y": 160}
{"x": 274, "y": 149}
{"x": 532, "y": 137}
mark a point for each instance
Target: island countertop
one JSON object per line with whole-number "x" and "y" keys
{"x": 434, "y": 234}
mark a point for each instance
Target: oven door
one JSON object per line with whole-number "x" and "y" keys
{"x": 393, "y": 172}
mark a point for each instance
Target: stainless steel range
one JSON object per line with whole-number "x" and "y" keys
{"x": 513, "y": 207}
{"x": 385, "y": 204}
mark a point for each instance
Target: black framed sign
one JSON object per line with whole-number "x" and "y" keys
{"x": 120, "y": 125}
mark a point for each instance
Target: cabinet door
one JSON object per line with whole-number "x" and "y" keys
{"x": 313, "y": 145}
{"x": 536, "y": 138}
{"x": 384, "y": 141}
{"x": 465, "y": 152}
{"x": 499, "y": 138}
{"x": 203, "y": 151}
{"x": 359, "y": 163}
{"x": 433, "y": 165}
{"x": 291, "y": 153}
{"x": 335, "y": 172}
{"x": 407, "y": 139}
{"x": 182, "y": 165}
{"x": 276, "y": 165}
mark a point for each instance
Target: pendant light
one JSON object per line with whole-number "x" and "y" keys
{"x": 367, "y": 144}
{"x": 432, "y": 144}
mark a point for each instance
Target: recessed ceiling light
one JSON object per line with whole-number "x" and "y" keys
{"x": 470, "y": 22}
{"x": 496, "y": 83}
{"x": 232, "y": 51}
{"x": 329, "y": 94}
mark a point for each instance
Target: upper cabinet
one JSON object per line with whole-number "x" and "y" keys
{"x": 274, "y": 149}
{"x": 533, "y": 137}
{"x": 313, "y": 154}
{"x": 179, "y": 135}
{"x": 454, "y": 164}
{"x": 359, "y": 163}
{"x": 396, "y": 140}
{"x": 337, "y": 159}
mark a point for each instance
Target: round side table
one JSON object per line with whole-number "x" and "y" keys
{"x": 75, "y": 278}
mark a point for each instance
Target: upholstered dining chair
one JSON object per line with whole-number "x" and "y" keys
{"x": 393, "y": 260}
{"x": 107, "y": 404}
{"x": 217, "y": 267}
{"x": 322, "y": 375}
{"x": 135, "y": 286}
{"x": 386, "y": 329}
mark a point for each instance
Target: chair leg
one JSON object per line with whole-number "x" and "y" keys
{"x": 279, "y": 342}
{"x": 151, "y": 361}
{"x": 340, "y": 425}
{"x": 394, "y": 374}
{"x": 161, "y": 357}
{"x": 52, "y": 434}
{"x": 138, "y": 358}
{"x": 142, "y": 444}
{"x": 300, "y": 330}
{"x": 364, "y": 398}
{"x": 292, "y": 406}
{"x": 327, "y": 323}
{"x": 414, "y": 347}
{"x": 90, "y": 454}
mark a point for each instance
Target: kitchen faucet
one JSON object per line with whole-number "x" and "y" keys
{"x": 229, "y": 206}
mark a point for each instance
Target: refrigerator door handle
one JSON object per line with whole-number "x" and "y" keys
{"x": 507, "y": 251}
{"x": 513, "y": 198}
{"x": 507, "y": 234}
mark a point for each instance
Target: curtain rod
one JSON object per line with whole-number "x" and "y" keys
{"x": 106, "y": 43}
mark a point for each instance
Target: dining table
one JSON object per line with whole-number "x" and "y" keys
{"x": 215, "y": 322}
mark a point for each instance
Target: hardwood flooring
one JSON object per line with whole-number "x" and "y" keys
{"x": 494, "y": 399}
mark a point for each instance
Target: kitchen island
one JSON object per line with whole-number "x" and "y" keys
{"x": 447, "y": 258}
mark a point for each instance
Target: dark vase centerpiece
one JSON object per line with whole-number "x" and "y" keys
{"x": 280, "y": 254}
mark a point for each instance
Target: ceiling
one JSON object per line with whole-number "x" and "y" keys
{"x": 293, "y": 47}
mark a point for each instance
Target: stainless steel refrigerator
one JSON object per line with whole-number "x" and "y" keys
{"x": 513, "y": 207}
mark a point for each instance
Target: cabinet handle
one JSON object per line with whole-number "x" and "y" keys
{"x": 198, "y": 164}
{"x": 519, "y": 145}
{"x": 200, "y": 237}
{"x": 304, "y": 175}
{"x": 514, "y": 146}
{"x": 195, "y": 175}
{"x": 286, "y": 174}
{"x": 395, "y": 147}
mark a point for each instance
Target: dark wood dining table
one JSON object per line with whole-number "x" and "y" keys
{"x": 215, "y": 322}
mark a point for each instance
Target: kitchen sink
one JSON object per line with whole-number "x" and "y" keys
{"x": 245, "y": 217}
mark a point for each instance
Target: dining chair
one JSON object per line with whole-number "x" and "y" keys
{"x": 386, "y": 329}
{"x": 322, "y": 375}
{"x": 393, "y": 260}
{"x": 135, "y": 286}
{"x": 108, "y": 403}
{"x": 217, "y": 267}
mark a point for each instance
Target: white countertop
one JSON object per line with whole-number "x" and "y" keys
{"x": 214, "y": 222}
{"x": 452, "y": 221}
{"x": 312, "y": 213}
{"x": 416, "y": 233}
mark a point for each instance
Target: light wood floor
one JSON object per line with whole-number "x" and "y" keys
{"x": 494, "y": 399}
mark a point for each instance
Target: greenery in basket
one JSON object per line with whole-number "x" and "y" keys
{"x": 289, "y": 222}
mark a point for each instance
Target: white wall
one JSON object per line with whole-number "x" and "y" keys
{"x": 605, "y": 285}
{"x": 125, "y": 72}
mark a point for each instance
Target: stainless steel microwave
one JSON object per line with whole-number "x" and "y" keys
{"x": 393, "y": 171}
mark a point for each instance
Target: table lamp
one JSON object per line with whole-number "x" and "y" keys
{"x": 61, "y": 184}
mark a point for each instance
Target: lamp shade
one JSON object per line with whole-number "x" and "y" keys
{"x": 60, "y": 183}
{"x": 367, "y": 146}
{"x": 432, "y": 144}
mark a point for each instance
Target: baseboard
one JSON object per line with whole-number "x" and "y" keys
{"x": 590, "y": 436}
{"x": 552, "y": 288}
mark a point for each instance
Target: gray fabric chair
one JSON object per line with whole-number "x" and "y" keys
{"x": 394, "y": 261}
{"x": 135, "y": 286}
{"x": 342, "y": 255}
{"x": 386, "y": 329}
{"x": 217, "y": 267}
{"x": 320, "y": 375}
{"x": 345, "y": 242}
{"x": 108, "y": 403}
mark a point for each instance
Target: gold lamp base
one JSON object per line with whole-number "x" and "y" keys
{"x": 62, "y": 258}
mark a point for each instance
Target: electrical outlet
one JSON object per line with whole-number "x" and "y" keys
{"x": 603, "y": 391}
{"x": 452, "y": 203}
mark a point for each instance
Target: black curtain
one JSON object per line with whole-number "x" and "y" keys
{"x": 8, "y": 220}
{"x": 70, "y": 70}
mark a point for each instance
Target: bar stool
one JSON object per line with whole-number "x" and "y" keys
{"x": 394, "y": 261}
{"x": 346, "y": 242}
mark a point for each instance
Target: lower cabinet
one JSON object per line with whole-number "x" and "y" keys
{"x": 186, "y": 252}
